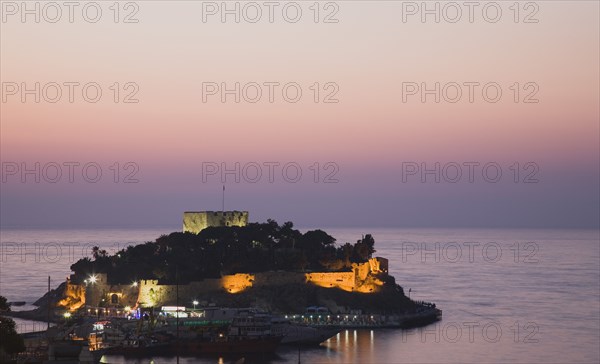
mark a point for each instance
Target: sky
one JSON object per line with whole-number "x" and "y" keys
{"x": 334, "y": 120}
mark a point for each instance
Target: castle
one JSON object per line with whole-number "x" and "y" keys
{"x": 96, "y": 291}
{"x": 196, "y": 221}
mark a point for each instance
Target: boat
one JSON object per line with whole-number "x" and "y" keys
{"x": 294, "y": 333}
{"x": 142, "y": 345}
{"x": 112, "y": 337}
{"x": 249, "y": 332}
{"x": 219, "y": 331}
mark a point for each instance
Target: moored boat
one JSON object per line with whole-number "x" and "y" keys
{"x": 249, "y": 332}
{"x": 294, "y": 333}
{"x": 142, "y": 346}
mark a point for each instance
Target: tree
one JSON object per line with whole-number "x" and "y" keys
{"x": 345, "y": 254}
{"x": 10, "y": 341}
{"x": 364, "y": 249}
{"x": 254, "y": 248}
{"x": 370, "y": 243}
{"x": 98, "y": 254}
{"x": 318, "y": 239}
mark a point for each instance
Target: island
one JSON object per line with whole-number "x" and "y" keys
{"x": 221, "y": 260}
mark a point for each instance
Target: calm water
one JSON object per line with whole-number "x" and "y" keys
{"x": 513, "y": 296}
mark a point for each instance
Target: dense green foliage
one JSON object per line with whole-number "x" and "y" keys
{"x": 10, "y": 341}
{"x": 257, "y": 247}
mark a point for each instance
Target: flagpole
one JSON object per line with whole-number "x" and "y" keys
{"x": 223, "y": 210}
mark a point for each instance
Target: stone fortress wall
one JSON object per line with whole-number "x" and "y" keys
{"x": 99, "y": 293}
{"x": 364, "y": 278}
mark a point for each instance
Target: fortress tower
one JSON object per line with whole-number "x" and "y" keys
{"x": 196, "y": 221}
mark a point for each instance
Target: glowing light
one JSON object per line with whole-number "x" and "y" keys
{"x": 93, "y": 278}
{"x": 134, "y": 284}
{"x": 67, "y": 315}
{"x": 237, "y": 283}
{"x": 127, "y": 308}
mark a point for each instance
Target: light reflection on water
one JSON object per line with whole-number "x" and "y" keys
{"x": 349, "y": 346}
{"x": 543, "y": 311}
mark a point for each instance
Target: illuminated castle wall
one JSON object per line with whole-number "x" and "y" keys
{"x": 100, "y": 293}
{"x": 196, "y": 221}
{"x": 153, "y": 294}
{"x": 364, "y": 278}
{"x": 73, "y": 296}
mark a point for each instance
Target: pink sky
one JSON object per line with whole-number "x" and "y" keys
{"x": 369, "y": 133}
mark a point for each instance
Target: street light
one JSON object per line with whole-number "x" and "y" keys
{"x": 134, "y": 284}
{"x": 93, "y": 278}
{"x": 195, "y": 303}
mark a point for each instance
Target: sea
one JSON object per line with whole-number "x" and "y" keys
{"x": 507, "y": 295}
